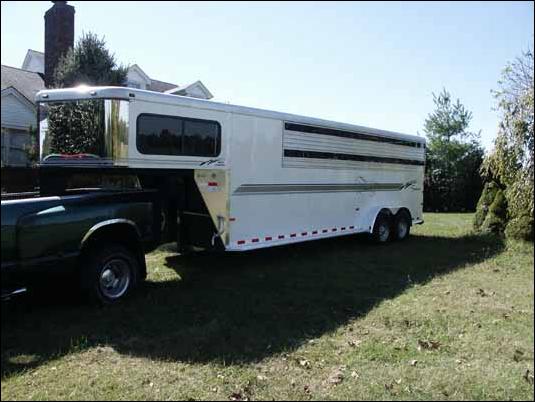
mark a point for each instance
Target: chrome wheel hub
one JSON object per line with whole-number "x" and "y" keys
{"x": 402, "y": 230}
{"x": 114, "y": 278}
{"x": 384, "y": 232}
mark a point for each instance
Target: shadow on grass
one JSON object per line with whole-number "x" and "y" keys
{"x": 235, "y": 308}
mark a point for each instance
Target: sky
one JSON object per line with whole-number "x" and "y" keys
{"x": 373, "y": 64}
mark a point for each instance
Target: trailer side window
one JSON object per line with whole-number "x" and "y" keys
{"x": 201, "y": 138}
{"x": 170, "y": 135}
{"x": 159, "y": 135}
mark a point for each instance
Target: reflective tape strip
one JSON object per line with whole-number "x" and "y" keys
{"x": 295, "y": 235}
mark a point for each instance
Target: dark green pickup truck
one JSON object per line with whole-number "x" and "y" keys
{"x": 100, "y": 235}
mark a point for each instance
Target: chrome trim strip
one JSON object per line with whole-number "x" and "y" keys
{"x": 196, "y": 214}
{"x": 107, "y": 223}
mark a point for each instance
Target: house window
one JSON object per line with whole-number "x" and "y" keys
{"x": 15, "y": 147}
{"x": 171, "y": 135}
{"x": 133, "y": 84}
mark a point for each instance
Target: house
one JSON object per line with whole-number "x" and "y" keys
{"x": 136, "y": 78}
{"x": 19, "y": 114}
{"x": 19, "y": 85}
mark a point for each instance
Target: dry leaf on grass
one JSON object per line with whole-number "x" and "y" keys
{"x": 304, "y": 363}
{"x": 354, "y": 343}
{"x": 413, "y": 363}
{"x": 336, "y": 378}
{"x": 518, "y": 355}
{"x": 528, "y": 376}
{"x": 429, "y": 345}
{"x": 237, "y": 396}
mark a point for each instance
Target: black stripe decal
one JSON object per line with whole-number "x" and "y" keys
{"x": 295, "y": 153}
{"x": 349, "y": 134}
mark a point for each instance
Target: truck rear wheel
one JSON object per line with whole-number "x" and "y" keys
{"x": 109, "y": 274}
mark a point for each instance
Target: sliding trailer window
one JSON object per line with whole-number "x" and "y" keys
{"x": 179, "y": 136}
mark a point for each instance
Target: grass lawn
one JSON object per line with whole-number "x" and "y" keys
{"x": 444, "y": 315}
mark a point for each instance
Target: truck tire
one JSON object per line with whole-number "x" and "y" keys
{"x": 402, "y": 226}
{"x": 382, "y": 229}
{"x": 109, "y": 273}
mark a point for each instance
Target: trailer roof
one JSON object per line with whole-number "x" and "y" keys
{"x": 85, "y": 92}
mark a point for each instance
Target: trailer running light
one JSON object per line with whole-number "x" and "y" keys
{"x": 212, "y": 184}
{"x": 320, "y": 233}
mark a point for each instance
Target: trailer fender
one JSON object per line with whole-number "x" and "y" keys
{"x": 375, "y": 212}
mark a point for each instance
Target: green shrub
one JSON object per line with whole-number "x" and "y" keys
{"x": 485, "y": 201}
{"x": 496, "y": 218}
{"x": 520, "y": 228}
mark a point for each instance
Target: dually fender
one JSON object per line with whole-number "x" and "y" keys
{"x": 108, "y": 222}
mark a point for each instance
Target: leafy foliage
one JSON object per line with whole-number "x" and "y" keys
{"x": 31, "y": 148}
{"x": 511, "y": 161}
{"x": 454, "y": 156}
{"x": 488, "y": 195}
{"x": 89, "y": 63}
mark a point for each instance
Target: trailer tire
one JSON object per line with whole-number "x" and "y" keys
{"x": 109, "y": 273}
{"x": 382, "y": 229}
{"x": 402, "y": 226}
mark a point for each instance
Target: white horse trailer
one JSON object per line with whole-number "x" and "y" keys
{"x": 264, "y": 178}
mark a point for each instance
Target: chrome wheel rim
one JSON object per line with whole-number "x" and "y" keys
{"x": 384, "y": 232}
{"x": 114, "y": 278}
{"x": 402, "y": 229}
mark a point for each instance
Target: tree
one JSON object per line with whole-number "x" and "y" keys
{"x": 454, "y": 156}
{"x": 510, "y": 164}
{"x": 89, "y": 63}
{"x": 31, "y": 147}
{"x": 76, "y": 128}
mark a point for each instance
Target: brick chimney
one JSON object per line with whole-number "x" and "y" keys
{"x": 59, "y": 36}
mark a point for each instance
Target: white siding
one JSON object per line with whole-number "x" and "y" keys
{"x": 36, "y": 64}
{"x": 196, "y": 92}
{"x": 133, "y": 77}
{"x": 16, "y": 113}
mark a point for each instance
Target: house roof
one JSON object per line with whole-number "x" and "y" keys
{"x": 185, "y": 89}
{"x": 160, "y": 86}
{"x": 28, "y": 83}
{"x": 154, "y": 85}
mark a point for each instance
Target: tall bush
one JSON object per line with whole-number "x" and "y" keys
{"x": 454, "y": 156}
{"x": 511, "y": 161}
